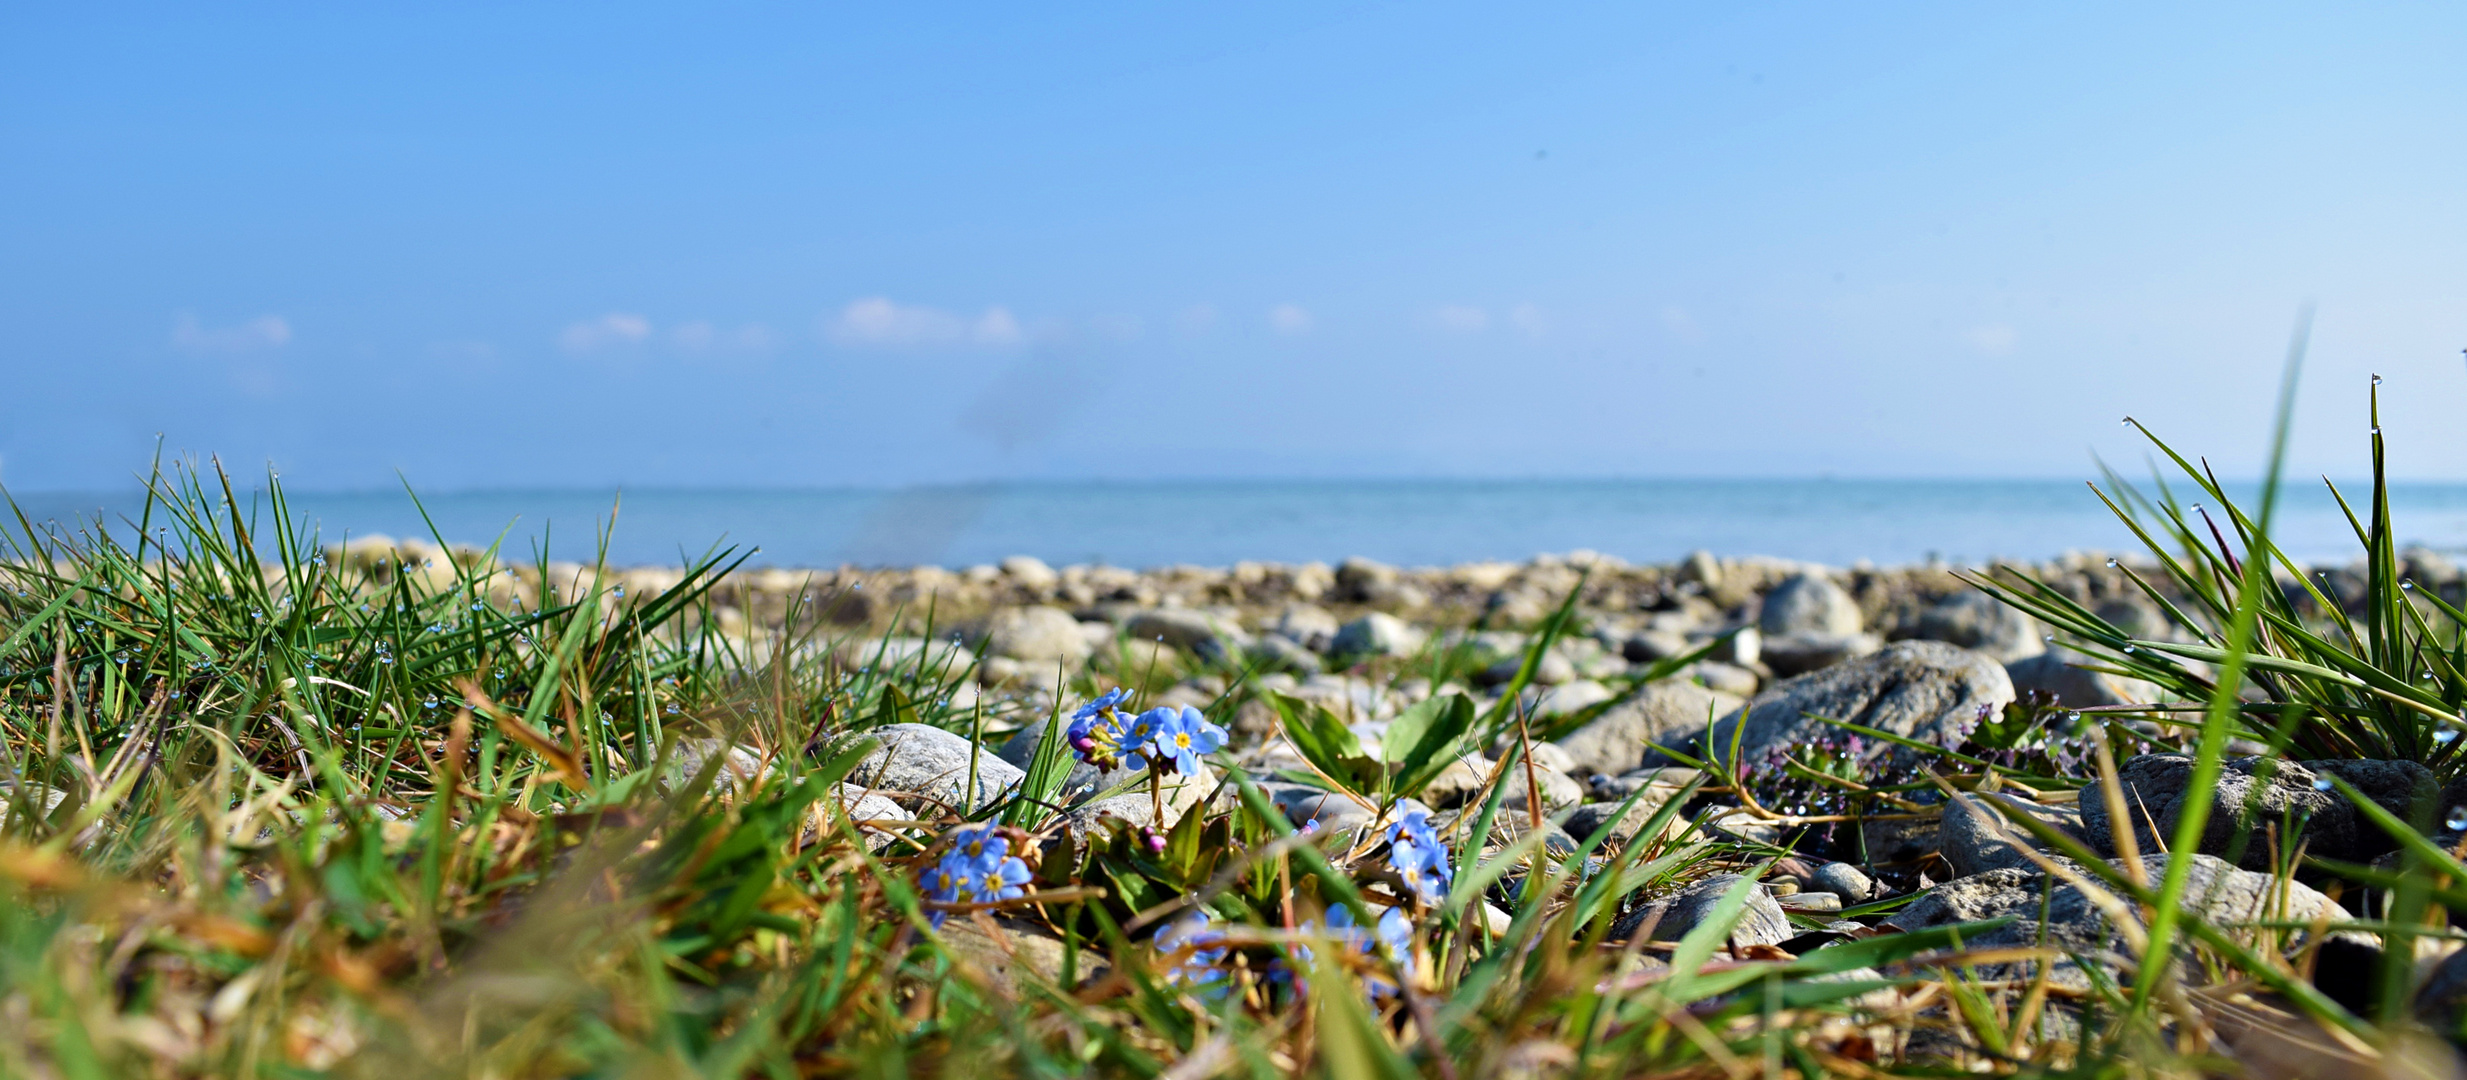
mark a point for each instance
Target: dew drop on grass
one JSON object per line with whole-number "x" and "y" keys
{"x": 2457, "y": 819}
{"x": 2321, "y": 783}
{"x": 2130, "y": 648}
{"x": 2377, "y": 380}
{"x": 2445, "y": 736}
{"x": 2377, "y": 429}
{"x": 2408, "y": 585}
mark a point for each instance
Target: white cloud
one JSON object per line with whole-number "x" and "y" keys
{"x": 1681, "y": 324}
{"x": 1196, "y": 319}
{"x": 878, "y": 320}
{"x": 1289, "y": 319}
{"x": 1529, "y": 319}
{"x": 1463, "y": 318}
{"x": 614, "y": 328}
{"x": 260, "y": 333}
{"x": 1995, "y": 339}
{"x": 699, "y": 336}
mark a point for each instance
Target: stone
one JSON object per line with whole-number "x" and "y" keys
{"x": 1463, "y": 781}
{"x": 1648, "y": 645}
{"x": 872, "y": 815}
{"x": 1983, "y": 624}
{"x": 918, "y": 765}
{"x": 1362, "y": 580}
{"x": 1036, "y": 634}
{"x": 1806, "y": 650}
{"x": 1616, "y": 741}
{"x": 1553, "y": 670}
{"x": 1309, "y": 626}
{"x": 2441, "y": 1002}
{"x": 1015, "y": 950}
{"x": 1276, "y": 652}
{"x": 1699, "y": 568}
{"x": 740, "y": 766}
{"x": 1670, "y": 918}
{"x": 1558, "y": 791}
{"x": 1309, "y": 807}
{"x": 1552, "y": 757}
{"x": 1376, "y": 634}
{"x": 1809, "y": 602}
{"x": 1811, "y": 902}
{"x": 1192, "y": 631}
{"x": 904, "y": 654}
{"x": 1975, "y": 837}
{"x": 2217, "y": 893}
{"x": 1896, "y": 841}
{"x": 1614, "y": 788}
{"x": 1590, "y": 817}
{"x": 1571, "y": 698}
{"x": 1745, "y": 647}
{"x": 2058, "y": 674}
{"x": 1727, "y": 678}
{"x": 2244, "y": 804}
{"x": 1020, "y": 749}
{"x": 1843, "y": 880}
{"x": 1924, "y": 690}
{"x": 1029, "y": 572}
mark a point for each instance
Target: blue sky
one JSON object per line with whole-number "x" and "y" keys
{"x": 585, "y": 245}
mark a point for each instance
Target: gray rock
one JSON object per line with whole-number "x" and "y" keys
{"x": 1613, "y": 788}
{"x": 1569, "y": 699}
{"x": 1623, "y": 828}
{"x": 1745, "y": 647}
{"x": 739, "y": 765}
{"x": 1309, "y": 626}
{"x": 1376, "y": 634}
{"x": 871, "y": 814}
{"x": 1195, "y": 632}
{"x": 1018, "y": 953}
{"x": 1615, "y": 742}
{"x": 2244, "y": 805}
{"x": 1925, "y": 690}
{"x": 1983, "y": 624}
{"x": 1975, "y": 838}
{"x": 2441, "y": 1003}
{"x": 940, "y": 658}
{"x": 1553, "y": 670}
{"x": 1327, "y": 811}
{"x": 1813, "y": 903}
{"x": 1843, "y": 880}
{"x": 1037, "y": 634}
{"x": 1463, "y": 781}
{"x": 1727, "y": 678}
{"x": 1809, "y": 602}
{"x": 1895, "y": 841}
{"x": 1137, "y": 808}
{"x": 1806, "y": 650}
{"x": 917, "y": 764}
{"x": 2056, "y": 674}
{"x": 1761, "y": 922}
{"x": 1558, "y": 791}
{"x": 1362, "y": 580}
{"x": 1276, "y": 652}
{"x": 1648, "y": 645}
{"x": 2218, "y": 893}
{"x": 1030, "y": 572}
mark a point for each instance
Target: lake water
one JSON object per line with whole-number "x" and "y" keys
{"x": 1417, "y": 522}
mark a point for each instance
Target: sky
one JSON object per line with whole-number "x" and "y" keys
{"x": 732, "y": 245}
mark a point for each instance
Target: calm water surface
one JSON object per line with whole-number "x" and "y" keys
{"x": 1407, "y": 522}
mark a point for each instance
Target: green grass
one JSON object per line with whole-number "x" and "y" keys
{"x": 326, "y": 814}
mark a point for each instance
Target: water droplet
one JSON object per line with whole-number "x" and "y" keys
{"x": 2408, "y": 585}
{"x": 2377, "y": 429}
{"x": 2377, "y": 380}
{"x": 2457, "y": 819}
{"x": 2050, "y": 637}
{"x": 2111, "y": 564}
{"x": 2130, "y": 648}
{"x": 2445, "y": 736}
{"x": 2321, "y": 783}
{"x": 2128, "y": 421}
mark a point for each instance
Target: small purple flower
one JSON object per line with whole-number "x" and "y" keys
{"x": 978, "y": 869}
{"x": 1099, "y": 732}
{"x": 1183, "y": 738}
{"x": 1204, "y": 969}
{"x": 1416, "y": 856}
{"x": 1391, "y": 937}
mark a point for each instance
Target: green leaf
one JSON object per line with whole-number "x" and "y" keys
{"x": 1325, "y": 742}
{"x": 1424, "y": 740}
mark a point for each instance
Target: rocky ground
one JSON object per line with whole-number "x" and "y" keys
{"x": 1912, "y": 651}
